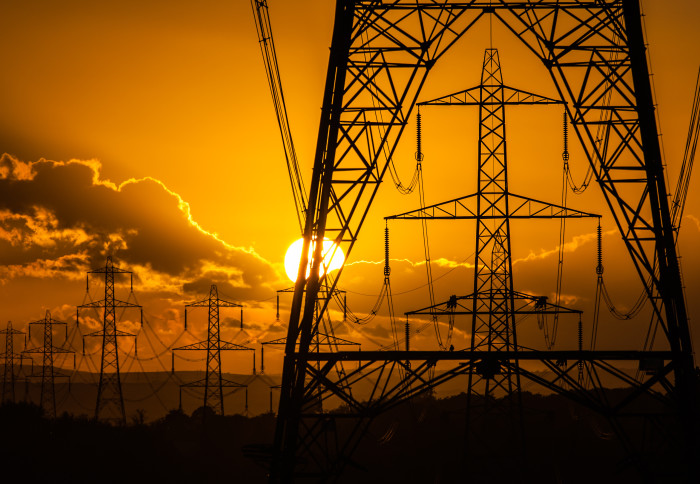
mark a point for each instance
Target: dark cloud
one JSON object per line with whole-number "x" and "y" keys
{"x": 58, "y": 217}
{"x": 232, "y": 322}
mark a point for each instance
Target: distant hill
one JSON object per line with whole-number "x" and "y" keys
{"x": 153, "y": 394}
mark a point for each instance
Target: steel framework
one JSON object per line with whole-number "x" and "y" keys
{"x": 110, "y": 401}
{"x": 48, "y": 372}
{"x": 494, "y": 302}
{"x": 213, "y": 383}
{"x": 380, "y": 57}
{"x": 9, "y": 357}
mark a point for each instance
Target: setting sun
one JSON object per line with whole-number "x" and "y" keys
{"x": 330, "y": 251}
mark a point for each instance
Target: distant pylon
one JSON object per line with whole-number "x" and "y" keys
{"x": 494, "y": 305}
{"x": 110, "y": 402}
{"x": 213, "y": 383}
{"x": 48, "y": 372}
{"x": 9, "y": 357}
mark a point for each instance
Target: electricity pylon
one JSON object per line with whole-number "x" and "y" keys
{"x": 213, "y": 383}
{"x": 48, "y": 371}
{"x": 9, "y": 357}
{"x": 380, "y": 57}
{"x": 110, "y": 401}
{"x": 323, "y": 337}
{"x": 494, "y": 304}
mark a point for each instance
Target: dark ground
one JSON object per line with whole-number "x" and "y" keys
{"x": 420, "y": 442}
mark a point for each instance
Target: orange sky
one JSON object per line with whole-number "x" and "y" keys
{"x": 165, "y": 108}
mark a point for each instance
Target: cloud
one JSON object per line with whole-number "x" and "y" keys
{"x": 59, "y": 219}
{"x": 569, "y": 247}
{"x": 694, "y": 220}
{"x": 440, "y": 262}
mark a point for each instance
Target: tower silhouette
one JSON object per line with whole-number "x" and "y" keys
{"x": 494, "y": 304}
{"x": 110, "y": 401}
{"x": 48, "y": 371}
{"x": 213, "y": 383}
{"x": 380, "y": 57}
{"x": 9, "y": 357}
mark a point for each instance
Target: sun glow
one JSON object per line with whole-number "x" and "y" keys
{"x": 333, "y": 258}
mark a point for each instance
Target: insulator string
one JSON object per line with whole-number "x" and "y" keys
{"x": 599, "y": 267}
{"x": 565, "y": 154}
{"x": 387, "y": 269}
{"x": 419, "y": 135}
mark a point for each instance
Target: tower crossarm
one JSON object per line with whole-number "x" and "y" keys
{"x": 325, "y": 339}
{"x": 203, "y": 384}
{"x": 204, "y": 303}
{"x": 223, "y": 345}
{"x": 466, "y": 208}
{"x": 47, "y": 320}
{"x": 117, "y": 332}
{"x": 523, "y": 304}
{"x": 201, "y": 345}
{"x": 54, "y": 349}
{"x": 323, "y": 292}
{"x": 319, "y": 338}
{"x": 278, "y": 341}
{"x": 110, "y": 269}
{"x": 102, "y": 303}
{"x": 471, "y": 97}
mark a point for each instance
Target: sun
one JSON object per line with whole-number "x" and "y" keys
{"x": 331, "y": 251}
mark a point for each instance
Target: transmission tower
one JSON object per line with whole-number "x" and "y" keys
{"x": 48, "y": 371}
{"x": 323, "y": 337}
{"x": 380, "y": 57}
{"x": 493, "y": 305}
{"x": 9, "y": 358}
{"x": 213, "y": 383}
{"x": 110, "y": 402}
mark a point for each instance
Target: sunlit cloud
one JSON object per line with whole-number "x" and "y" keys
{"x": 40, "y": 228}
{"x": 695, "y": 220}
{"x": 569, "y": 247}
{"x": 71, "y": 267}
{"x": 440, "y": 262}
{"x": 63, "y": 218}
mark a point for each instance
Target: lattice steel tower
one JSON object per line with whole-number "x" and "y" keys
{"x": 494, "y": 304}
{"x": 9, "y": 357}
{"x": 48, "y": 371}
{"x": 213, "y": 383}
{"x": 380, "y": 57}
{"x": 110, "y": 401}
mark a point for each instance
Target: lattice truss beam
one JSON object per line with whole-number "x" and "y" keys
{"x": 520, "y": 207}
